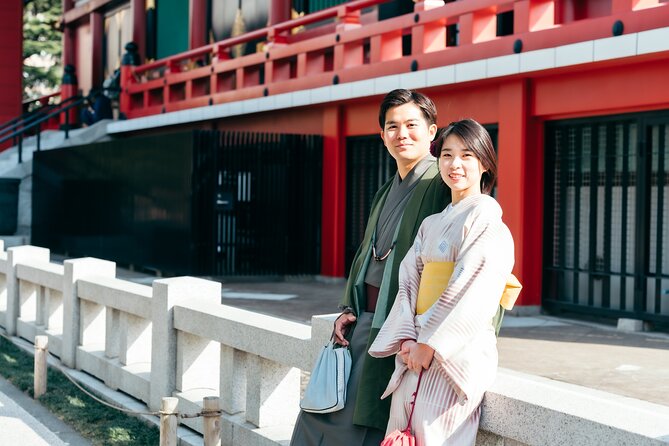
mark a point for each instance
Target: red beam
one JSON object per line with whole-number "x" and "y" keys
{"x": 75, "y": 14}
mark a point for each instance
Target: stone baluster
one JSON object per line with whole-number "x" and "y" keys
{"x": 74, "y": 317}
{"x": 15, "y": 255}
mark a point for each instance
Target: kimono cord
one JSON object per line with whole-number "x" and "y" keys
{"x": 413, "y": 402}
{"x": 381, "y": 311}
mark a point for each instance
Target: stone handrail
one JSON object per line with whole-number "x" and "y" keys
{"x": 175, "y": 338}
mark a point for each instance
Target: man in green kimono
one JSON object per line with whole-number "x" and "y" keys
{"x": 408, "y": 123}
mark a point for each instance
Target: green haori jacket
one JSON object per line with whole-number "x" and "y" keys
{"x": 429, "y": 197}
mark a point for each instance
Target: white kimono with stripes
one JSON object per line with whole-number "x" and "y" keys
{"x": 458, "y": 326}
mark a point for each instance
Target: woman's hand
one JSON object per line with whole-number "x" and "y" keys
{"x": 405, "y": 348}
{"x": 341, "y": 326}
{"x": 416, "y": 356}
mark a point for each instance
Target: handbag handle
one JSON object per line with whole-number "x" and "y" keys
{"x": 413, "y": 402}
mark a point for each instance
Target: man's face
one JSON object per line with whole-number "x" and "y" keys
{"x": 407, "y": 135}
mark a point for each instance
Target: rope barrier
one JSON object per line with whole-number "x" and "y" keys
{"x": 212, "y": 413}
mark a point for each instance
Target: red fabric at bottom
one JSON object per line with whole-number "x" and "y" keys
{"x": 397, "y": 438}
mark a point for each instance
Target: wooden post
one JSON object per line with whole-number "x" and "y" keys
{"x": 41, "y": 352}
{"x": 211, "y": 421}
{"x": 168, "y": 421}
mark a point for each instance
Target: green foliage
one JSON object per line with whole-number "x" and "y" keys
{"x": 101, "y": 424}
{"x": 41, "y": 47}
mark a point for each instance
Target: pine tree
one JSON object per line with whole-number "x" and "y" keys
{"x": 41, "y": 47}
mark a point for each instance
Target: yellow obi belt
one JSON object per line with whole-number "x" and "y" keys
{"x": 434, "y": 280}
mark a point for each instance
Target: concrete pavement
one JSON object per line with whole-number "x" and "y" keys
{"x": 27, "y": 423}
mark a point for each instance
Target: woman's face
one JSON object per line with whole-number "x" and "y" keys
{"x": 460, "y": 169}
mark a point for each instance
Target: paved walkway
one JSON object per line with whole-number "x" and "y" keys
{"x": 27, "y": 423}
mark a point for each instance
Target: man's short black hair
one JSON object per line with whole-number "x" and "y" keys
{"x": 403, "y": 96}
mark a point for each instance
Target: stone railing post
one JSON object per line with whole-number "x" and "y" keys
{"x": 135, "y": 339}
{"x": 73, "y": 271}
{"x": 272, "y": 392}
{"x": 15, "y": 255}
{"x": 233, "y": 379}
{"x": 113, "y": 333}
{"x": 166, "y": 294}
{"x": 53, "y": 318}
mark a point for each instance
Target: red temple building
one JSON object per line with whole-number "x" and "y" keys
{"x": 574, "y": 94}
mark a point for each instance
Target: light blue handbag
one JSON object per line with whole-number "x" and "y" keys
{"x": 326, "y": 391}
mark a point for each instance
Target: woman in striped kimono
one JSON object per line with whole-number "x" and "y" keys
{"x": 450, "y": 286}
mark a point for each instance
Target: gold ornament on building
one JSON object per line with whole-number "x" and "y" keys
{"x": 238, "y": 28}
{"x": 296, "y": 15}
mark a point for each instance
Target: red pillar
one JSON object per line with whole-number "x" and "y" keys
{"x": 68, "y": 88}
{"x": 198, "y": 24}
{"x": 11, "y": 36}
{"x": 130, "y": 59}
{"x": 428, "y": 37}
{"x": 533, "y": 15}
{"x": 279, "y": 11}
{"x": 519, "y": 187}
{"x": 139, "y": 26}
{"x": 333, "y": 238}
{"x": 68, "y": 45}
{"x": 533, "y": 212}
{"x": 68, "y": 37}
{"x": 97, "y": 34}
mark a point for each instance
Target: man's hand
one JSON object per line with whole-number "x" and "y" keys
{"x": 341, "y": 326}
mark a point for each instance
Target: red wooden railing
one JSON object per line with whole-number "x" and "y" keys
{"x": 357, "y": 47}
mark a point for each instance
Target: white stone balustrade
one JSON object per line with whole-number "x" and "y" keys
{"x": 260, "y": 379}
{"x": 116, "y": 345}
{"x": 15, "y": 299}
{"x": 80, "y": 324}
{"x": 176, "y": 339}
